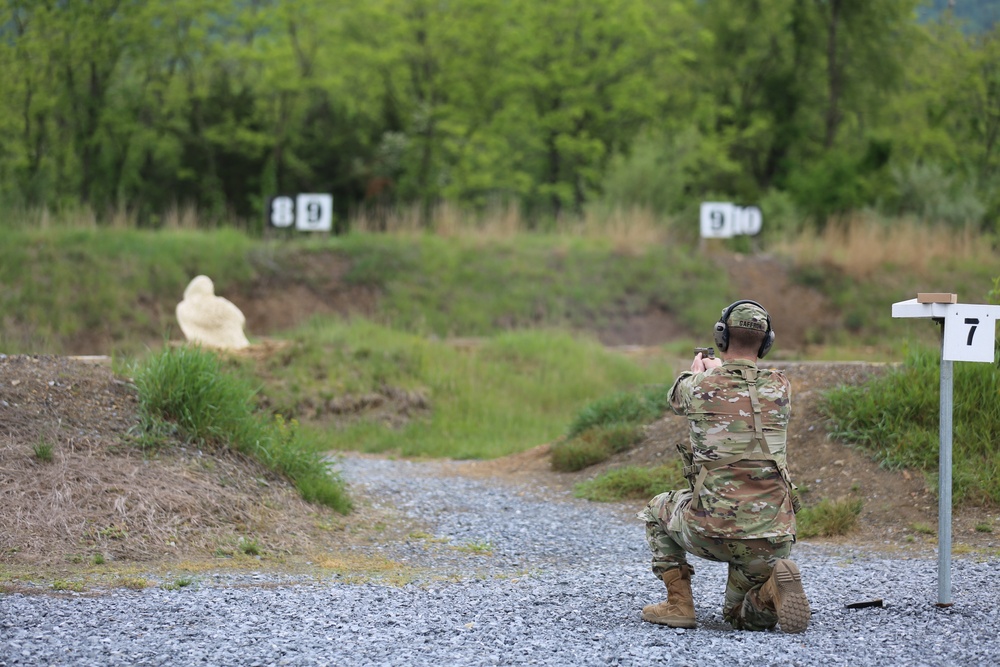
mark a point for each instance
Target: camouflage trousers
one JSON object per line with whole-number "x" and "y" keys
{"x": 750, "y": 561}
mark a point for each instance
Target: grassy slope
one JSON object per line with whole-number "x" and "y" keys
{"x": 509, "y": 393}
{"x": 62, "y": 283}
{"x": 516, "y": 390}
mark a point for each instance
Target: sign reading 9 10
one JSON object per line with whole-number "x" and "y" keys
{"x": 722, "y": 220}
{"x": 308, "y": 212}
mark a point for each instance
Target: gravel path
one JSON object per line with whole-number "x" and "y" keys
{"x": 509, "y": 576}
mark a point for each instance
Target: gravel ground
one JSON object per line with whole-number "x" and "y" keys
{"x": 508, "y": 576}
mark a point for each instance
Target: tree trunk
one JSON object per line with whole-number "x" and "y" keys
{"x": 834, "y": 75}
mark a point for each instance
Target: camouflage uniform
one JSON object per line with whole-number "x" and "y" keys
{"x": 739, "y": 508}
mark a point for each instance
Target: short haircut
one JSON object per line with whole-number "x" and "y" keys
{"x": 745, "y": 341}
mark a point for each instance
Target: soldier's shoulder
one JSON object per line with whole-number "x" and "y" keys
{"x": 775, "y": 375}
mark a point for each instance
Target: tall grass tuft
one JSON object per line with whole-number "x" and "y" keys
{"x": 636, "y": 407}
{"x": 632, "y": 483}
{"x": 188, "y": 387}
{"x": 896, "y": 418}
{"x": 829, "y": 518}
{"x": 607, "y": 426}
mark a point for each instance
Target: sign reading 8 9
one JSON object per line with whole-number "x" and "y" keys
{"x": 308, "y": 212}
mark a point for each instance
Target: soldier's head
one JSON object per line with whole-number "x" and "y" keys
{"x": 744, "y": 330}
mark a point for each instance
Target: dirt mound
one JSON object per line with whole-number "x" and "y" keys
{"x": 74, "y": 490}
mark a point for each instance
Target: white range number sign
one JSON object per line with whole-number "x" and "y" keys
{"x": 308, "y": 212}
{"x": 969, "y": 332}
{"x": 722, "y": 220}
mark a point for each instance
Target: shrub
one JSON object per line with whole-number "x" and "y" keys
{"x": 927, "y": 191}
{"x": 577, "y": 454}
{"x": 622, "y": 408}
{"x": 608, "y": 426}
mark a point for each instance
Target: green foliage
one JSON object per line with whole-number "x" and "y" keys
{"x": 829, "y": 518}
{"x": 865, "y": 317}
{"x": 249, "y": 546}
{"x": 833, "y": 185}
{"x": 895, "y": 417}
{"x": 661, "y": 169}
{"x": 607, "y": 426}
{"x": 43, "y": 451}
{"x": 595, "y": 445}
{"x": 64, "y": 585}
{"x": 632, "y": 408}
{"x": 974, "y": 15}
{"x": 480, "y": 548}
{"x": 132, "y": 582}
{"x": 178, "y": 584}
{"x": 187, "y": 386}
{"x": 152, "y": 109}
{"x": 930, "y": 193}
{"x": 632, "y": 483}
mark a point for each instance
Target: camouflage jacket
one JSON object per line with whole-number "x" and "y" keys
{"x": 749, "y": 498}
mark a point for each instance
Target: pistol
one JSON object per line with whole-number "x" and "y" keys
{"x": 706, "y": 352}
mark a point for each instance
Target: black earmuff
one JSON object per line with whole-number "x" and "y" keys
{"x": 722, "y": 329}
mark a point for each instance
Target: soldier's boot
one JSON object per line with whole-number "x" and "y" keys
{"x": 783, "y": 593}
{"x": 677, "y": 611}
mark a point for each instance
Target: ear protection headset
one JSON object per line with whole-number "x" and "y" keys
{"x": 722, "y": 329}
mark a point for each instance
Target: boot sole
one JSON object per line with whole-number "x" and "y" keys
{"x": 688, "y": 623}
{"x": 792, "y": 606}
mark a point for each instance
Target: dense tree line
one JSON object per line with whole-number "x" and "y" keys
{"x": 816, "y": 106}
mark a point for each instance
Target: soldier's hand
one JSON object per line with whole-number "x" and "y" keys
{"x": 701, "y": 364}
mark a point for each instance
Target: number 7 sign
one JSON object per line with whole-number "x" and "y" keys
{"x": 969, "y": 333}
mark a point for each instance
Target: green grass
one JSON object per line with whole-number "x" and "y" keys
{"x": 479, "y": 287}
{"x": 895, "y": 417}
{"x": 250, "y": 547}
{"x": 44, "y": 451}
{"x": 632, "y": 483}
{"x": 500, "y": 396}
{"x": 609, "y": 425}
{"x": 188, "y": 389}
{"x": 178, "y": 584}
{"x": 829, "y": 518}
{"x": 61, "y": 284}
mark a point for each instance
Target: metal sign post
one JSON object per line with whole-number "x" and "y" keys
{"x": 944, "y": 484}
{"x": 968, "y": 334}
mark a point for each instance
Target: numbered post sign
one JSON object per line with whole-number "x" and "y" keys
{"x": 716, "y": 220}
{"x": 307, "y": 212}
{"x": 314, "y": 213}
{"x": 722, "y": 220}
{"x": 281, "y": 211}
{"x": 969, "y": 332}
